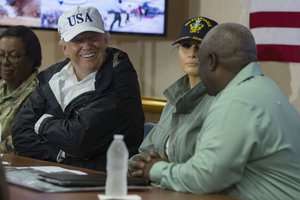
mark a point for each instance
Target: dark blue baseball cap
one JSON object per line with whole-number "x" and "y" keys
{"x": 195, "y": 29}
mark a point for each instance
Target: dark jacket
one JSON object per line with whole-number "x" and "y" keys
{"x": 85, "y": 129}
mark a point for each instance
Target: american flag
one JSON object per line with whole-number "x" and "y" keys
{"x": 275, "y": 25}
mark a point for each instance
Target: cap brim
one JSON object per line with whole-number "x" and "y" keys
{"x": 187, "y": 38}
{"x": 69, "y": 37}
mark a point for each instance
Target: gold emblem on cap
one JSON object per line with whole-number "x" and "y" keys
{"x": 197, "y": 23}
{"x": 196, "y": 26}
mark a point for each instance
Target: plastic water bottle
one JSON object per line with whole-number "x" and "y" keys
{"x": 116, "y": 167}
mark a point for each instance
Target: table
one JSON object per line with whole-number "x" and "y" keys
{"x": 20, "y": 193}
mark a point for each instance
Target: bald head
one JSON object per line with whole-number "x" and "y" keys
{"x": 232, "y": 43}
{"x": 224, "y": 52}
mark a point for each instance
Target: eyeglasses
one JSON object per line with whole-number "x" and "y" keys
{"x": 11, "y": 58}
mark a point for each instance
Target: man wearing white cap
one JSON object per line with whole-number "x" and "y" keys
{"x": 81, "y": 102}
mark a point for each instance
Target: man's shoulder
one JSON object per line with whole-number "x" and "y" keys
{"x": 119, "y": 60}
{"x": 116, "y": 55}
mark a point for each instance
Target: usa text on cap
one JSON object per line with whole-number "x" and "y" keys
{"x": 81, "y": 19}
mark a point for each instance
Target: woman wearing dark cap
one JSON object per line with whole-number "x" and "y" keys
{"x": 20, "y": 57}
{"x": 174, "y": 138}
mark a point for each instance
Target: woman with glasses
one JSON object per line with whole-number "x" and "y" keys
{"x": 20, "y": 57}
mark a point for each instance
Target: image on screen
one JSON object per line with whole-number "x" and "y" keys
{"x": 120, "y": 16}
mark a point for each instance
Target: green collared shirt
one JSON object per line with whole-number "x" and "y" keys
{"x": 247, "y": 147}
{"x": 10, "y": 103}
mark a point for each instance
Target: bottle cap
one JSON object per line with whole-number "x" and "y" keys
{"x": 119, "y": 137}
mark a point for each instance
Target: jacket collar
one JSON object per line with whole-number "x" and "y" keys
{"x": 180, "y": 95}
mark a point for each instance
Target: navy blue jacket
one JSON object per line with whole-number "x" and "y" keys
{"x": 85, "y": 129}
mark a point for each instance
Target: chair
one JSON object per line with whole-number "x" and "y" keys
{"x": 148, "y": 127}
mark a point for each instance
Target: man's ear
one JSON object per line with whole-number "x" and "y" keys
{"x": 213, "y": 61}
{"x": 64, "y": 50}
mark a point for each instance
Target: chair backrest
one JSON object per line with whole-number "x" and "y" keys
{"x": 148, "y": 127}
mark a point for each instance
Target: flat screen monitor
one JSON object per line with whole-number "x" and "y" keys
{"x": 143, "y": 17}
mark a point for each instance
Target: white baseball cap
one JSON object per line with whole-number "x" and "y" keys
{"x": 81, "y": 19}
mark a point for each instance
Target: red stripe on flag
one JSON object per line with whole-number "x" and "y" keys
{"x": 281, "y": 53}
{"x": 275, "y": 19}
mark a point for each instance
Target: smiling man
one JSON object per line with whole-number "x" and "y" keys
{"x": 81, "y": 102}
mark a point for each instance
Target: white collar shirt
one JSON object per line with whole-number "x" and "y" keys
{"x": 66, "y": 86}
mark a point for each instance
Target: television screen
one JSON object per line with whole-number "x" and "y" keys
{"x": 120, "y": 16}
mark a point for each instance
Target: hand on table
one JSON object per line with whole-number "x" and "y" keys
{"x": 140, "y": 164}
